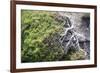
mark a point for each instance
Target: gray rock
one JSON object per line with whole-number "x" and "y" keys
{"x": 76, "y": 31}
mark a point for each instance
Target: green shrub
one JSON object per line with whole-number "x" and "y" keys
{"x": 37, "y": 27}
{"x": 39, "y": 38}
{"x": 75, "y": 55}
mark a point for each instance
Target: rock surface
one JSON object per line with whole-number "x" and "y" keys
{"x": 76, "y": 31}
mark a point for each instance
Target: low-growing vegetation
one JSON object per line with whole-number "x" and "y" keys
{"x": 39, "y": 38}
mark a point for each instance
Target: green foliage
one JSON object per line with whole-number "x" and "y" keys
{"x": 36, "y": 28}
{"x": 75, "y": 55}
{"x": 39, "y": 38}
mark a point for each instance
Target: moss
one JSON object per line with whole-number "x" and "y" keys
{"x": 75, "y": 55}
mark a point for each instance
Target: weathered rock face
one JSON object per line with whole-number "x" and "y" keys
{"x": 76, "y": 31}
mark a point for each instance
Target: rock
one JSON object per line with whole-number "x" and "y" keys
{"x": 80, "y": 30}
